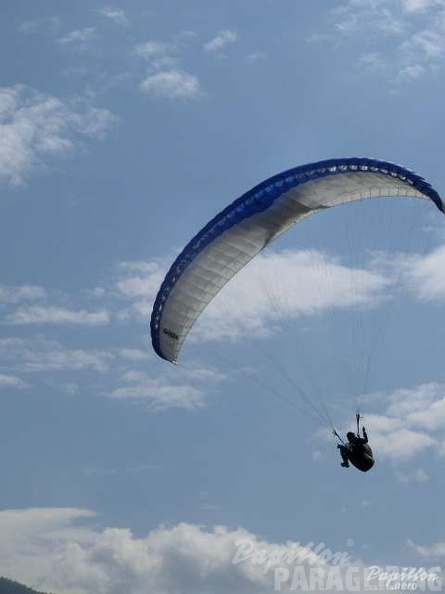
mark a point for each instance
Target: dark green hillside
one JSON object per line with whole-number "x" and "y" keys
{"x": 11, "y": 587}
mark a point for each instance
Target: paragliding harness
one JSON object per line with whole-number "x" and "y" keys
{"x": 357, "y": 452}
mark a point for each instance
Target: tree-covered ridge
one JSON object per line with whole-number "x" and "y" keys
{"x": 11, "y": 587}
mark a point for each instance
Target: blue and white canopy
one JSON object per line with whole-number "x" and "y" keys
{"x": 238, "y": 233}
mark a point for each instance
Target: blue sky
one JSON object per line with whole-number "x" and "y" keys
{"x": 124, "y": 129}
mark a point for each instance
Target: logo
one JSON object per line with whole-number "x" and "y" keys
{"x": 298, "y": 568}
{"x": 170, "y": 333}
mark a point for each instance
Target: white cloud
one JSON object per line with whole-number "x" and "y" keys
{"x": 56, "y": 315}
{"x": 255, "y": 57}
{"x": 160, "y": 56}
{"x": 11, "y": 381}
{"x": 79, "y": 39}
{"x": 133, "y": 354}
{"x": 153, "y": 49}
{"x": 432, "y": 417}
{"x": 435, "y": 551}
{"x": 417, "y": 274}
{"x": 421, "y": 5}
{"x": 140, "y": 279}
{"x": 188, "y": 388}
{"x": 183, "y": 38}
{"x": 278, "y": 286}
{"x": 97, "y": 293}
{"x": 172, "y": 84}
{"x": 378, "y": 16}
{"x": 116, "y": 15}
{"x": 426, "y": 44}
{"x": 9, "y": 294}
{"x": 32, "y": 539}
{"x": 35, "y": 127}
{"x": 405, "y": 403}
{"x": 158, "y": 395}
{"x": 32, "y": 26}
{"x": 425, "y": 275}
{"x": 401, "y": 444}
{"x": 273, "y": 288}
{"x": 221, "y": 40}
{"x": 373, "y": 61}
{"x": 413, "y": 30}
{"x": 415, "y": 476}
{"x": 65, "y": 388}
{"x": 138, "y": 283}
{"x": 410, "y": 73}
{"x": 422, "y": 53}
{"x": 68, "y": 359}
{"x": 165, "y": 77}
{"x": 40, "y": 355}
{"x": 411, "y": 424}
{"x": 58, "y": 550}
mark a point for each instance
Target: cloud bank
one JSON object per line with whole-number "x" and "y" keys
{"x": 35, "y": 128}
{"x": 58, "y": 550}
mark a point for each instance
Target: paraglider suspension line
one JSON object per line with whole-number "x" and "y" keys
{"x": 334, "y": 432}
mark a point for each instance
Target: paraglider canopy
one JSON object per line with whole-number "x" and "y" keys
{"x": 239, "y": 232}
